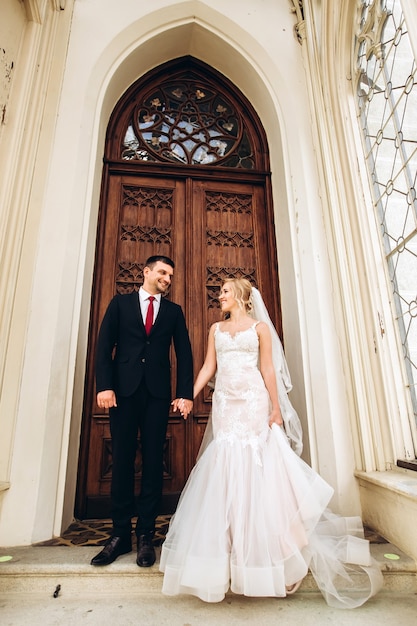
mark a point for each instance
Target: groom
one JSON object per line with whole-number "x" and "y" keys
{"x": 133, "y": 374}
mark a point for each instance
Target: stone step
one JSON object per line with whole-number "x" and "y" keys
{"x": 41, "y": 569}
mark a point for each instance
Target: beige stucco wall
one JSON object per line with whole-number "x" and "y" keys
{"x": 35, "y": 33}
{"x": 46, "y": 311}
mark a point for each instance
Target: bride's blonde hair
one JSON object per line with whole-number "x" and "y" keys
{"x": 242, "y": 292}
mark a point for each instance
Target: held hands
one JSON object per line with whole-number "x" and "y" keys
{"x": 275, "y": 417}
{"x": 106, "y": 399}
{"x": 183, "y": 405}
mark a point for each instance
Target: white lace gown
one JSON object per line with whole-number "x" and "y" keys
{"x": 253, "y": 516}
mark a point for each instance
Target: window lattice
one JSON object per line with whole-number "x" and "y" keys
{"x": 187, "y": 122}
{"x": 387, "y": 109}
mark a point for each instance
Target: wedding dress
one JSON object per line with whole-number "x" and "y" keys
{"x": 253, "y": 515}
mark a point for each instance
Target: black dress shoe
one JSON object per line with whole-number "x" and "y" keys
{"x": 146, "y": 552}
{"x": 114, "y": 548}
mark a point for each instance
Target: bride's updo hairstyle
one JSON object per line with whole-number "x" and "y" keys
{"x": 242, "y": 292}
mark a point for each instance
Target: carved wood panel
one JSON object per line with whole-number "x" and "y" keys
{"x": 140, "y": 218}
{"x": 235, "y": 242}
{"x": 222, "y": 228}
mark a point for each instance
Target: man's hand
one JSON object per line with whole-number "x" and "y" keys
{"x": 106, "y": 399}
{"x": 183, "y": 405}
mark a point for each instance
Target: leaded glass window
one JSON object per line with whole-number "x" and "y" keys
{"x": 387, "y": 109}
{"x": 189, "y": 122}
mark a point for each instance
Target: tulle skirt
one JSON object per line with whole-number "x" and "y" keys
{"x": 254, "y": 518}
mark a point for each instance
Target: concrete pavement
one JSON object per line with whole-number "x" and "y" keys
{"x": 123, "y": 594}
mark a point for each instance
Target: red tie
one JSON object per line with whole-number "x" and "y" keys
{"x": 149, "y": 315}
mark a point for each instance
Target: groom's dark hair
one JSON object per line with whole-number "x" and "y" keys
{"x": 159, "y": 257}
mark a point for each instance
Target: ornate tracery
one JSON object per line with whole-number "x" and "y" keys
{"x": 188, "y": 121}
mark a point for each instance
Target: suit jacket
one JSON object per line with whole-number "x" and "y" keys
{"x": 126, "y": 355}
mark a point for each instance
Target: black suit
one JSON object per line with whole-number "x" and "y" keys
{"x": 137, "y": 368}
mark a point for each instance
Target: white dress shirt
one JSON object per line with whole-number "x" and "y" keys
{"x": 144, "y": 303}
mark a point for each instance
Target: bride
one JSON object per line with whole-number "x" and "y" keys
{"x": 253, "y": 516}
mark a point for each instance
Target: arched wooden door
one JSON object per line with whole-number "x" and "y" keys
{"x": 185, "y": 174}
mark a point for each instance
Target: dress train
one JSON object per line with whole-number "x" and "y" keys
{"x": 257, "y": 522}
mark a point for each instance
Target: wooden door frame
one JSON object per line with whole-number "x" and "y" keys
{"x": 115, "y": 166}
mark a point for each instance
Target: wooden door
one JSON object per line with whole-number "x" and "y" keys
{"x": 213, "y": 230}
{"x": 215, "y": 224}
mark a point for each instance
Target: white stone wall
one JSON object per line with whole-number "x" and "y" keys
{"x": 37, "y": 35}
{"x": 12, "y": 29}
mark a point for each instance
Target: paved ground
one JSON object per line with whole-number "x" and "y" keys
{"x": 123, "y": 594}
{"x": 304, "y": 609}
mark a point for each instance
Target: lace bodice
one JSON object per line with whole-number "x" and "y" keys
{"x": 236, "y": 352}
{"x": 240, "y": 399}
